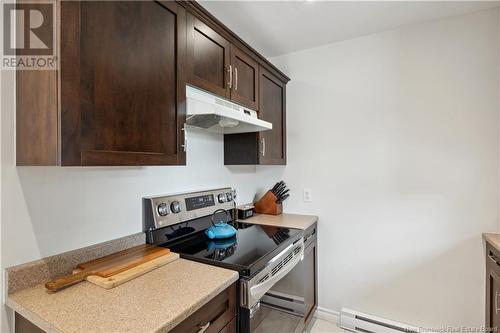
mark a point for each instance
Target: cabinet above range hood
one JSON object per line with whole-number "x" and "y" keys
{"x": 216, "y": 114}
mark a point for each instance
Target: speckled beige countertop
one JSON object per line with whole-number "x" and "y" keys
{"x": 284, "y": 220}
{"x": 154, "y": 302}
{"x": 493, "y": 239}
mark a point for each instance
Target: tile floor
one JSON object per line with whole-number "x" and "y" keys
{"x": 277, "y": 322}
{"x": 273, "y": 321}
{"x": 323, "y": 326}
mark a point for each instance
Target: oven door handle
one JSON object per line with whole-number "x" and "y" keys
{"x": 260, "y": 289}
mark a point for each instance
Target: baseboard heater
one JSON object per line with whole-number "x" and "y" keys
{"x": 364, "y": 323}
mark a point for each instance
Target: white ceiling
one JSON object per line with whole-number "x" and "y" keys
{"x": 279, "y": 27}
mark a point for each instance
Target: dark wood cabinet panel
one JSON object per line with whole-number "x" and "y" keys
{"x": 201, "y": 13}
{"x": 230, "y": 328}
{"x": 494, "y": 285}
{"x": 241, "y": 149}
{"x": 245, "y": 89}
{"x": 310, "y": 281}
{"x": 272, "y": 109}
{"x": 126, "y": 94}
{"x": 213, "y": 316}
{"x": 220, "y": 62}
{"x": 267, "y": 147}
{"x": 36, "y": 118}
{"x": 215, "y": 65}
{"x": 120, "y": 99}
{"x": 23, "y": 325}
{"x": 492, "y": 288}
{"x": 208, "y": 58}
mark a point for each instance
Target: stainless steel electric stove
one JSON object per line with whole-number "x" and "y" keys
{"x": 262, "y": 255}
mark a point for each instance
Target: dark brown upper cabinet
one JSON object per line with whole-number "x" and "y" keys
{"x": 216, "y": 65}
{"x": 267, "y": 147}
{"x": 245, "y": 80}
{"x": 272, "y": 109}
{"x": 119, "y": 95}
{"x": 208, "y": 58}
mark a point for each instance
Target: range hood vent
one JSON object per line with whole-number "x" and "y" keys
{"x": 216, "y": 114}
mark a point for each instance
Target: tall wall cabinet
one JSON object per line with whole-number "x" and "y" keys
{"x": 119, "y": 95}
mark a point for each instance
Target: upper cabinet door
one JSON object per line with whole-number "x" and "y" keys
{"x": 208, "y": 58}
{"x": 122, "y": 83}
{"x": 272, "y": 108}
{"x": 245, "y": 87}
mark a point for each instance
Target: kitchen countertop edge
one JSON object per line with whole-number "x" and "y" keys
{"x": 198, "y": 305}
{"x": 49, "y": 327}
{"x": 285, "y": 220}
{"x": 31, "y": 316}
{"x": 492, "y": 239}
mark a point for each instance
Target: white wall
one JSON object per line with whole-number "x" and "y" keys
{"x": 48, "y": 210}
{"x": 396, "y": 134}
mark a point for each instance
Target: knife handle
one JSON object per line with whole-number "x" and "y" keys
{"x": 283, "y": 198}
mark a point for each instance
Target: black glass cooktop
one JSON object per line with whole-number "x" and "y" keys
{"x": 251, "y": 248}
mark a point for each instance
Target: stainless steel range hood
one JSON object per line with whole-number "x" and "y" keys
{"x": 216, "y": 114}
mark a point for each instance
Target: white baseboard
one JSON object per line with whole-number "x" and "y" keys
{"x": 328, "y": 315}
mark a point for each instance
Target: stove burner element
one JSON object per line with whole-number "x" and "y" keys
{"x": 222, "y": 249}
{"x": 179, "y": 232}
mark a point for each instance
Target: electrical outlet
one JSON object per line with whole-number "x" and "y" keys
{"x": 308, "y": 195}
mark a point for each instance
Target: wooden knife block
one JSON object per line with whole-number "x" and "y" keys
{"x": 267, "y": 205}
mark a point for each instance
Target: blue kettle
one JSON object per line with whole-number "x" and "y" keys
{"x": 221, "y": 229}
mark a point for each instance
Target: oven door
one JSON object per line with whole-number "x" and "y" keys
{"x": 254, "y": 289}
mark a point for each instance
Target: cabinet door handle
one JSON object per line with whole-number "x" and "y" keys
{"x": 496, "y": 301}
{"x": 203, "y": 328}
{"x": 235, "y": 78}
{"x": 492, "y": 258}
{"x": 230, "y": 83}
{"x": 308, "y": 237}
{"x": 184, "y": 146}
{"x": 263, "y": 151}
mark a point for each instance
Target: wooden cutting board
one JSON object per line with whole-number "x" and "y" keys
{"x": 120, "y": 278}
{"x": 110, "y": 265}
{"x": 128, "y": 253}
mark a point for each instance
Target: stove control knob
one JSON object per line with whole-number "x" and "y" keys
{"x": 229, "y": 196}
{"x": 162, "y": 209}
{"x": 221, "y": 197}
{"x": 175, "y": 207}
